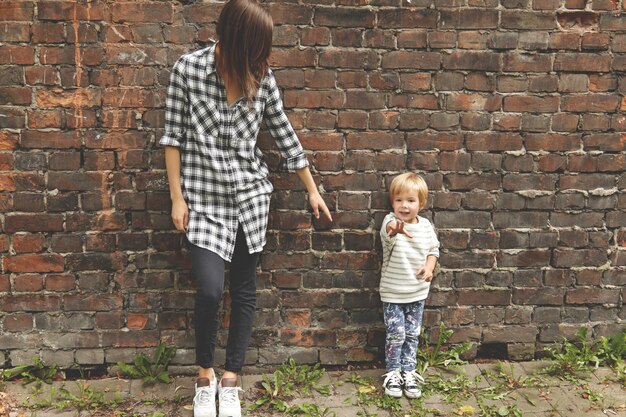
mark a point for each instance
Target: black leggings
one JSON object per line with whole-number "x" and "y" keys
{"x": 208, "y": 268}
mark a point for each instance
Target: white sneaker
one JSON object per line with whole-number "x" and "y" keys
{"x": 228, "y": 397}
{"x": 412, "y": 381}
{"x": 204, "y": 400}
{"x": 393, "y": 383}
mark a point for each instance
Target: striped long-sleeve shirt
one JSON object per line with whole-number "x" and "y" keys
{"x": 402, "y": 256}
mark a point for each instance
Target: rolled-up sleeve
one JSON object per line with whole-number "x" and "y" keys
{"x": 281, "y": 130}
{"x": 388, "y": 241}
{"x": 434, "y": 248}
{"x": 176, "y": 108}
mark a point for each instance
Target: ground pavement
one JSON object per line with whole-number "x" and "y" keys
{"x": 488, "y": 389}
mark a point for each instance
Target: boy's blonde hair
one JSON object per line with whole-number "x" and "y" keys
{"x": 412, "y": 182}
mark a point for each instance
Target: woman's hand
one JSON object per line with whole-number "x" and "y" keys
{"x": 317, "y": 203}
{"x": 180, "y": 214}
{"x": 397, "y": 226}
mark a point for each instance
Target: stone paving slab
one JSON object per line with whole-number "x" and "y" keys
{"x": 551, "y": 398}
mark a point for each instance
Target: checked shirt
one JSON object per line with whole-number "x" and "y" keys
{"x": 223, "y": 175}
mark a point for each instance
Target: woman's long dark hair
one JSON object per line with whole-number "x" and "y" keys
{"x": 244, "y": 30}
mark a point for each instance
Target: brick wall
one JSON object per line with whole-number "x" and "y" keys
{"x": 511, "y": 109}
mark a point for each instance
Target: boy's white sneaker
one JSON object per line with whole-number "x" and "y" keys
{"x": 204, "y": 400}
{"x": 228, "y": 397}
{"x": 393, "y": 383}
{"x": 412, "y": 384}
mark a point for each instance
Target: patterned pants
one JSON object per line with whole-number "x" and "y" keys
{"x": 403, "y": 322}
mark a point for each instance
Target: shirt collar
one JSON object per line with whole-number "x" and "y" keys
{"x": 211, "y": 65}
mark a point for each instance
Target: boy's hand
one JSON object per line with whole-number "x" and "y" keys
{"x": 427, "y": 274}
{"x": 397, "y": 226}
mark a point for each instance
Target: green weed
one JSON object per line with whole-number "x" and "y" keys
{"x": 150, "y": 371}
{"x": 86, "y": 398}
{"x": 36, "y": 372}
{"x": 287, "y": 381}
{"x": 440, "y": 355}
{"x": 573, "y": 361}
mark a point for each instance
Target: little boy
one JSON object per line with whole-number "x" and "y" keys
{"x": 410, "y": 253}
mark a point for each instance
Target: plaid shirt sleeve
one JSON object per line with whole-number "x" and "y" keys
{"x": 176, "y": 107}
{"x": 279, "y": 127}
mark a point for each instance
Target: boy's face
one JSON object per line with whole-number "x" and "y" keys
{"x": 406, "y": 205}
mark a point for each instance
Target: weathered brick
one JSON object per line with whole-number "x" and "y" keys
{"x": 468, "y": 19}
{"x": 527, "y": 20}
{"x": 412, "y": 60}
{"x": 582, "y": 62}
{"x": 472, "y": 61}
{"x": 531, "y": 103}
{"x": 407, "y": 18}
{"x": 344, "y": 17}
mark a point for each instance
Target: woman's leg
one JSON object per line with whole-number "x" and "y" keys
{"x": 243, "y": 304}
{"x": 208, "y": 269}
{"x": 413, "y": 313}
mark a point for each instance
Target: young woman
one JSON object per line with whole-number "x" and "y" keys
{"x": 219, "y": 183}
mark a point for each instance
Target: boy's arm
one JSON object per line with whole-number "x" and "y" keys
{"x": 426, "y": 270}
{"x": 387, "y": 238}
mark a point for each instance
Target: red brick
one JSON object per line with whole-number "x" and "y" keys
{"x": 48, "y": 32}
{"x": 145, "y": 55}
{"x": 28, "y": 283}
{"x": 17, "y": 10}
{"x": 582, "y": 62}
{"x": 412, "y": 39}
{"x": 592, "y": 296}
{"x": 28, "y": 243}
{"x": 34, "y": 263}
{"x": 443, "y": 40}
{"x": 375, "y": 38}
{"x": 42, "y": 119}
{"x": 590, "y": 103}
{"x": 375, "y": 140}
{"x": 293, "y": 58}
{"x": 470, "y": 60}
{"x": 308, "y": 338}
{"x": 468, "y": 19}
{"x": 55, "y": 55}
{"x": 527, "y": 20}
{"x": 18, "y": 322}
{"x": 66, "y": 10}
{"x": 319, "y": 78}
{"x": 514, "y": 62}
{"x": 314, "y": 99}
{"x": 407, "y": 18}
{"x": 132, "y": 97}
{"x": 484, "y": 297}
{"x": 141, "y": 12}
{"x": 347, "y": 37}
{"x": 41, "y": 75}
{"x": 442, "y": 141}
{"x": 343, "y": 59}
{"x": 493, "y": 141}
{"x": 15, "y": 95}
{"x": 531, "y": 104}
{"x": 21, "y": 182}
{"x": 14, "y": 32}
{"x": 384, "y": 120}
{"x": 44, "y": 140}
{"x": 344, "y": 17}
{"x": 460, "y": 101}
{"x": 605, "y": 142}
{"x": 60, "y": 282}
{"x": 83, "y": 97}
{"x": 552, "y": 142}
{"x": 411, "y": 60}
